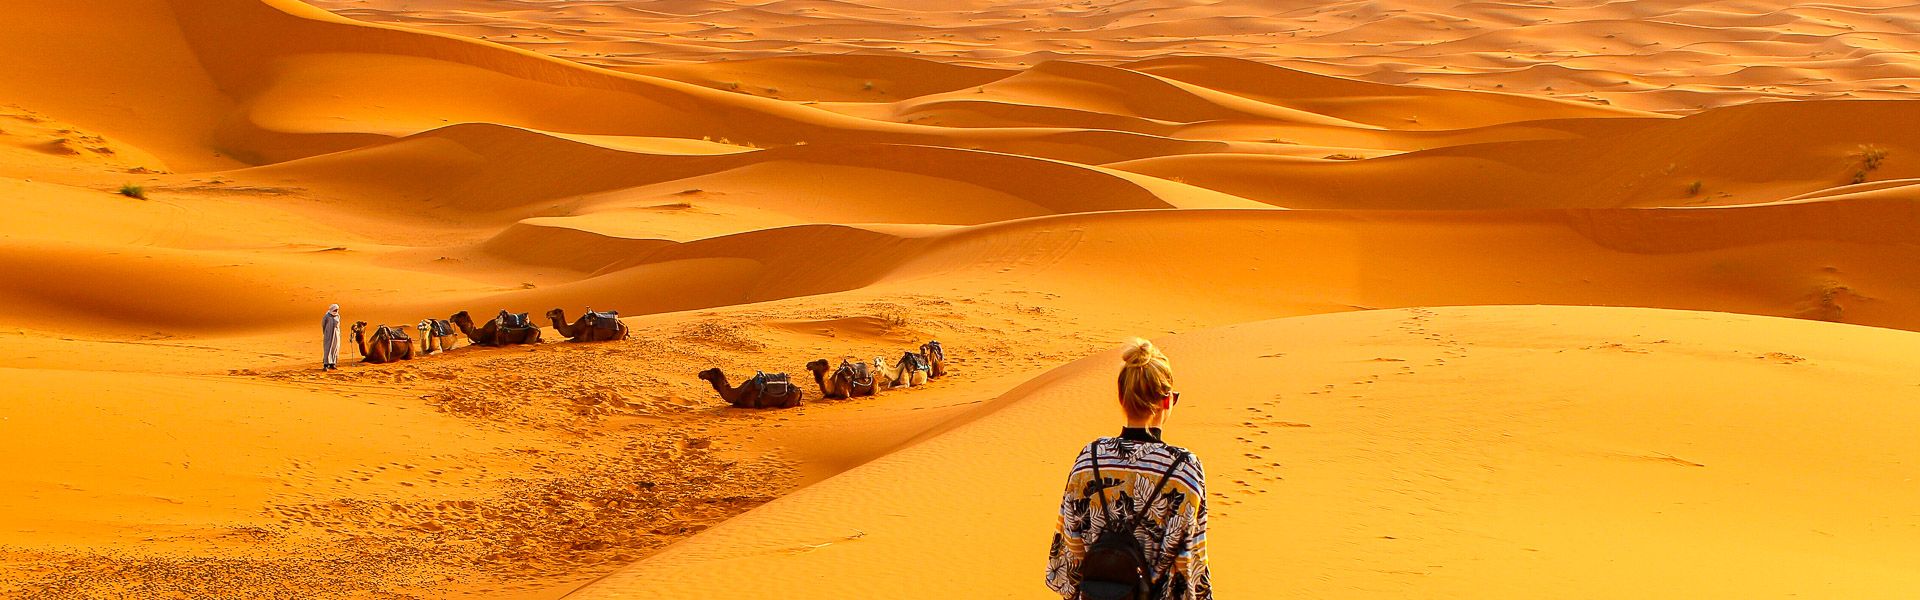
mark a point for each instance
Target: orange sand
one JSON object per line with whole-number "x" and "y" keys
{"x": 758, "y": 185}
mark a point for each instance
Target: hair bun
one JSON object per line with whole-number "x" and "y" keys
{"x": 1141, "y": 352}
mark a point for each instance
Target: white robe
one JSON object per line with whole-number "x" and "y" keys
{"x": 330, "y": 338}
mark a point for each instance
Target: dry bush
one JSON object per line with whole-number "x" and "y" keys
{"x": 894, "y": 318}
{"x": 1870, "y": 157}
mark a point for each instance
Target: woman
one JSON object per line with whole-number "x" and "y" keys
{"x": 330, "y": 339}
{"x": 1134, "y": 497}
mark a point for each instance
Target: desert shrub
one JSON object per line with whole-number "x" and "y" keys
{"x": 1870, "y": 157}
{"x": 133, "y": 191}
{"x": 894, "y": 318}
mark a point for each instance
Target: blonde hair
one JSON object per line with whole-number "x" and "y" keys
{"x": 1144, "y": 380}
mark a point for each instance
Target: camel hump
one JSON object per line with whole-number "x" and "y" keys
{"x": 771, "y": 384}
{"x": 855, "y": 372}
{"x": 605, "y": 319}
{"x": 913, "y": 361}
{"x": 514, "y": 320}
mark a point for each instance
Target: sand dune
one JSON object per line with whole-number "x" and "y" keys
{"x": 186, "y": 184}
{"x": 1659, "y": 56}
{"x": 1362, "y": 468}
{"x": 1716, "y": 157}
{"x": 489, "y": 172}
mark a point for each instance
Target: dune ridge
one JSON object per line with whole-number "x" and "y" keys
{"x": 1658, "y": 56}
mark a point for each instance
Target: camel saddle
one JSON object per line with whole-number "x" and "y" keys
{"x": 398, "y": 334}
{"x": 771, "y": 384}
{"x": 915, "y": 361}
{"x": 608, "y": 319}
{"x": 858, "y": 373}
{"x": 514, "y": 320}
{"x": 441, "y": 328}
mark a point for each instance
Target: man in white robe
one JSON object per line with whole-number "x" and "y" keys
{"x": 330, "y": 339}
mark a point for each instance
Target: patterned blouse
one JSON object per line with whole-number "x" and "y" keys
{"x": 1174, "y": 532}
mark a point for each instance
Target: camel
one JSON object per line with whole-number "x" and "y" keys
{"x": 436, "y": 335}
{"x": 389, "y": 344}
{"x": 914, "y": 368}
{"x": 492, "y": 334}
{"x": 909, "y": 371}
{"x": 935, "y": 355}
{"x": 850, "y": 380}
{"x": 885, "y": 375}
{"x": 591, "y": 327}
{"x": 764, "y": 390}
{"x": 426, "y": 337}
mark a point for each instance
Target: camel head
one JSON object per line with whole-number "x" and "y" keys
{"x": 711, "y": 375}
{"x": 819, "y": 367}
{"x": 557, "y": 314}
{"x": 461, "y": 318}
{"x": 359, "y": 327}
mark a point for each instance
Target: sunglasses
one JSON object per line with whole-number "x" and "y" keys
{"x": 1176, "y": 398}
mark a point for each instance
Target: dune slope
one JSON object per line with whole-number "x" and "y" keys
{"x": 1461, "y": 452}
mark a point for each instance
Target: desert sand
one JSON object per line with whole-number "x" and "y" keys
{"x": 1576, "y": 299}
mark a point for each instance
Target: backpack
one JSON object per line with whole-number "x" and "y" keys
{"x": 1115, "y": 566}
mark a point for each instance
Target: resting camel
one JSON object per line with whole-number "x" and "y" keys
{"x": 914, "y": 368}
{"x": 591, "y": 327}
{"x": 492, "y": 334}
{"x": 850, "y": 380}
{"x": 936, "y": 356}
{"x": 764, "y": 390}
{"x": 436, "y": 335}
{"x": 389, "y": 344}
{"x": 906, "y": 372}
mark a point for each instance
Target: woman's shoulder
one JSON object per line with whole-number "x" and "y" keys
{"x": 1122, "y": 448}
{"x": 1192, "y": 460}
{"x": 1190, "y": 469}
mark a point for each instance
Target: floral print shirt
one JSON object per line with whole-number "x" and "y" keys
{"x": 1173, "y": 530}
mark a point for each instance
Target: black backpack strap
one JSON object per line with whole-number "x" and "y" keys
{"x": 1154, "y": 582}
{"x": 1178, "y": 459}
{"x": 1100, "y": 489}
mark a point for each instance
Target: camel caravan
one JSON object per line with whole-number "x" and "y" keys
{"x": 390, "y": 344}
{"x": 851, "y": 379}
